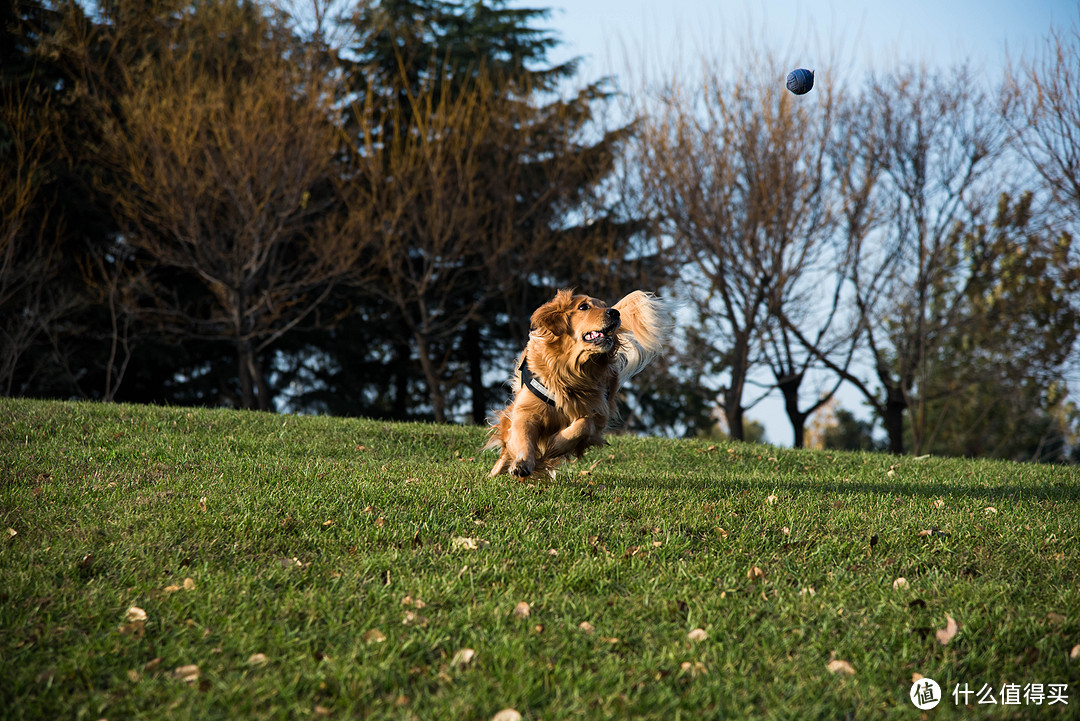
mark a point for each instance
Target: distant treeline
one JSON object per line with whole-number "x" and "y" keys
{"x": 353, "y": 207}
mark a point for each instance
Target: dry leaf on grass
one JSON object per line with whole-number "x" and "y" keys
{"x": 522, "y": 610}
{"x": 136, "y": 622}
{"x": 899, "y": 583}
{"x": 507, "y": 714}
{"x": 187, "y": 674}
{"x": 755, "y": 574}
{"x": 463, "y": 657}
{"x": 990, "y": 510}
{"x": 462, "y": 543}
{"x": 841, "y": 668}
{"x": 698, "y": 634}
{"x": 586, "y": 627}
{"x": 373, "y": 636}
{"x": 944, "y": 635}
{"x": 257, "y": 659}
{"x": 1075, "y": 653}
{"x": 771, "y": 500}
{"x": 694, "y": 669}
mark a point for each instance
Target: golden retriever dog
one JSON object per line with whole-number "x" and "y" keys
{"x": 578, "y": 354}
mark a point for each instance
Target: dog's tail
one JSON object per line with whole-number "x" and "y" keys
{"x": 646, "y": 326}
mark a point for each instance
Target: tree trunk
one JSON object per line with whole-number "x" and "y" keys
{"x": 434, "y": 383}
{"x": 733, "y": 409}
{"x": 262, "y": 388}
{"x": 243, "y": 371}
{"x": 789, "y": 388}
{"x": 893, "y": 419}
{"x": 476, "y": 373}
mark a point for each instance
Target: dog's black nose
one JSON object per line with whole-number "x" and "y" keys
{"x": 611, "y": 314}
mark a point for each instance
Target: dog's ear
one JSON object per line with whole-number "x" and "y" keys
{"x": 550, "y": 318}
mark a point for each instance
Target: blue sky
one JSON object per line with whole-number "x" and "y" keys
{"x": 865, "y": 35}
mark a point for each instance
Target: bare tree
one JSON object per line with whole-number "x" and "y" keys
{"x": 912, "y": 171}
{"x": 1043, "y": 109}
{"x": 30, "y": 228}
{"x": 739, "y": 173}
{"x": 226, "y": 160}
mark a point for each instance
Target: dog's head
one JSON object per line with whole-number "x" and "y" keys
{"x": 582, "y": 326}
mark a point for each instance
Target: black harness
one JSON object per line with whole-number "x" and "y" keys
{"x": 530, "y": 381}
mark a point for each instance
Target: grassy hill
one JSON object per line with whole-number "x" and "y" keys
{"x": 181, "y": 563}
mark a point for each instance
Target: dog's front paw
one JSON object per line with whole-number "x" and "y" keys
{"x": 523, "y": 468}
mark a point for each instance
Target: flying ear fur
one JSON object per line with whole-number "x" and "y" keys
{"x": 550, "y": 318}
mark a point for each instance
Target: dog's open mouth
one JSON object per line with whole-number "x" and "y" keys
{"x": 602, "y": 336}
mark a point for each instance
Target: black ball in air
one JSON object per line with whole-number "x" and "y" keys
{"x": 800, "y": 81}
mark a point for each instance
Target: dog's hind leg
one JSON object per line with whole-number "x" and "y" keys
{"x": 575, "y": 438}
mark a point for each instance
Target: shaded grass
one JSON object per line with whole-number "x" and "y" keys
{"x": 645, "y": 540}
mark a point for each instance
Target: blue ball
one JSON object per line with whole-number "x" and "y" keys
{"x": 800, "y": 81}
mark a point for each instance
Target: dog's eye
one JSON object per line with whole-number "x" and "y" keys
{"x": 583, "y": 306}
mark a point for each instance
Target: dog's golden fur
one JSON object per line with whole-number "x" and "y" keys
{"x": 580, "y": 351}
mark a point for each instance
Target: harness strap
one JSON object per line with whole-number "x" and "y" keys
{"x": 530, "y": 381}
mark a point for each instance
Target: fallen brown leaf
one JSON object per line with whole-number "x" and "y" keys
{"x": 462, "y": 543}
{"x": 698, "y": 634}
{"x": 899, "y": 583}
{"x": 755, "y": 574}
{"x": 522, "y": 610}
{"x": 187, "y": 674}
{"x": 463, "y": 657}
{"x": 586, "y": 627}
{"x": 840, "y": 667}
{"x": 373, "y": 636}
{"x": 257, "y": 659}
{"x": 945, "y": 635}
{"x": 507, "y": 714}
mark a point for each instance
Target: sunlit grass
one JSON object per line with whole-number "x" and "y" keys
{"x": 328, "y": 546}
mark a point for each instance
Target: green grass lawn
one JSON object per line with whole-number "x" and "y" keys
{"x": 310, "y": 567}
